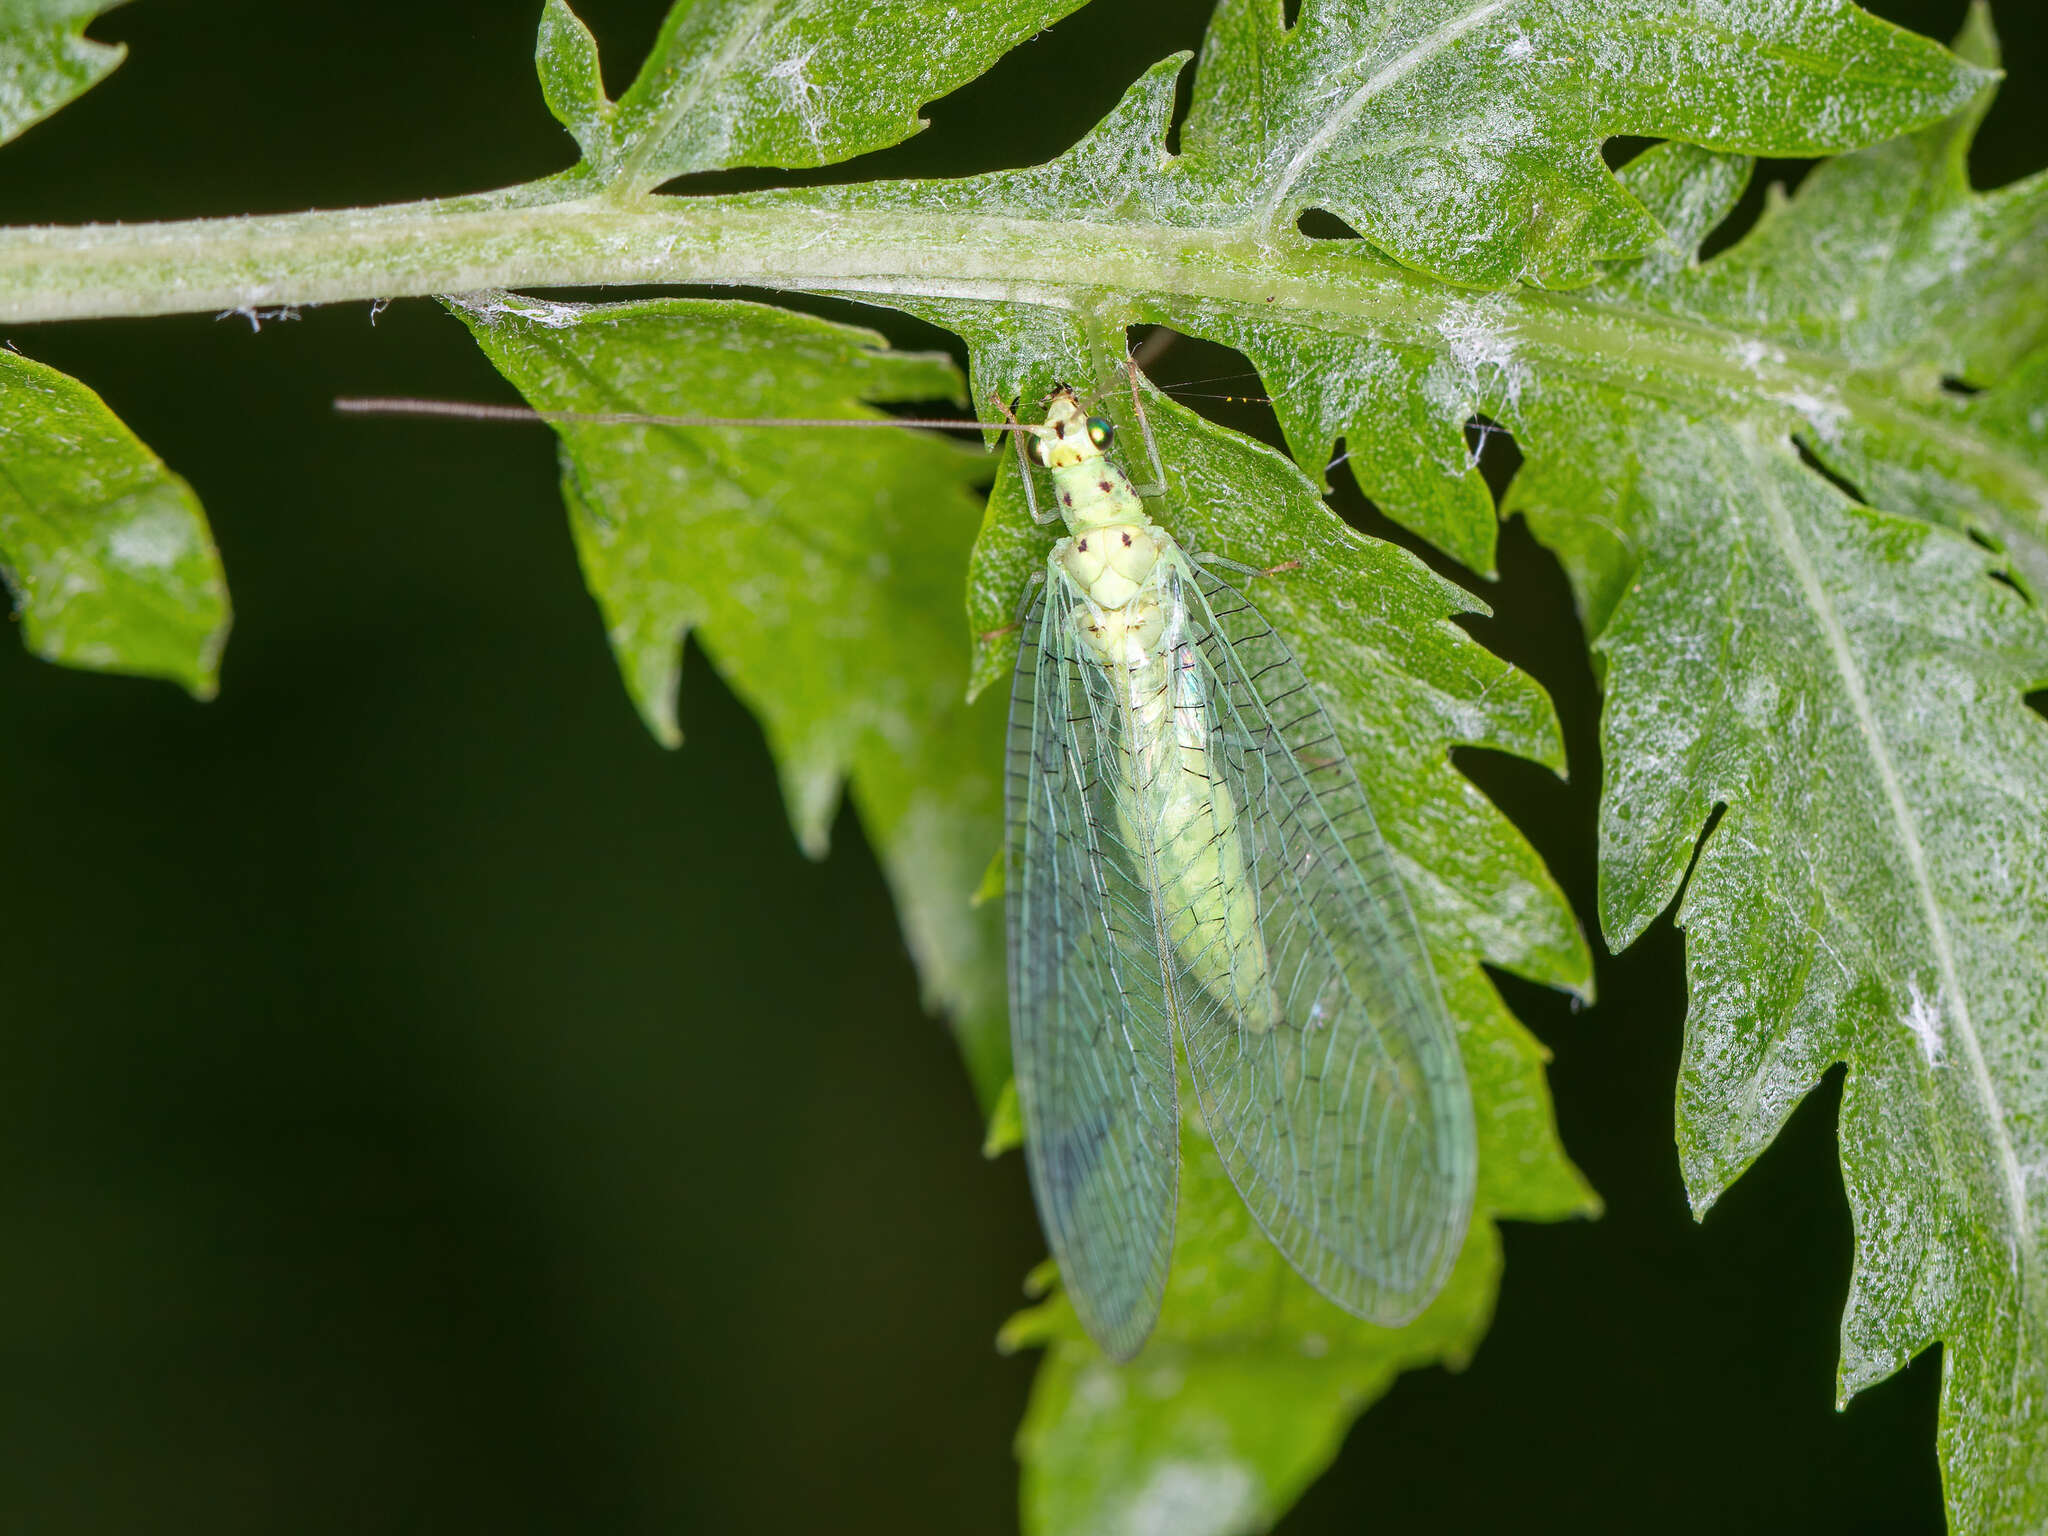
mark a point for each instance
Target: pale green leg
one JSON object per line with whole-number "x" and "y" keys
{"x": 1241, "y": 569}
{"x": 1158, "y": 486}
{"x": 1024, "y": 466}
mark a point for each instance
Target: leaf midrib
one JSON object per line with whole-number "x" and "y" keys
{"x": 1906, "y": 830}
{"x": 1391, "y": 73}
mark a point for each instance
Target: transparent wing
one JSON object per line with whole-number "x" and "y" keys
{"x": 1089, "y": 1030}
{"x": 1341, "y": 1111}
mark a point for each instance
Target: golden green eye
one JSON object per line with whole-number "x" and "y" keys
{"x": 1100, "y": 432}
{"x": 1038, "y": 448}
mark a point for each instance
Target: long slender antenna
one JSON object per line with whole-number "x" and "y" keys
{"x": 465, "y": 410}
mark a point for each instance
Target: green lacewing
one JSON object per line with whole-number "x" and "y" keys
{"x": 1195, "y": 878}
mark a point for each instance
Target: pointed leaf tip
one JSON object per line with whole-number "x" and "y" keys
{"x": 1977, "y": 43}
{"x": 572, "y": 81}
{"x": 46, "y": 61}
{"x": 1005, "y": 1123}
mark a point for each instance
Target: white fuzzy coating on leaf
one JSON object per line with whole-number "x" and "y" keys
{"x": 797, "y": 83}
{"x": 1924, "y": 1019}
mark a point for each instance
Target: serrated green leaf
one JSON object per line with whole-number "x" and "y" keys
{"x": 820, "y": 570}
{"x": 1462, "y": 137}
{"x": 1847, "y": 685}
{"x": 797, "y": 83}
{"x": 107, "y": 552}
{"x": 46, "y": 60}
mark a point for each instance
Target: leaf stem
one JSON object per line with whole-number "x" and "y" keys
{"x": 556, "y": 234}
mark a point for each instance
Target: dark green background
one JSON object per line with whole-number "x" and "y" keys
{"x": 427, "y": 1105}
